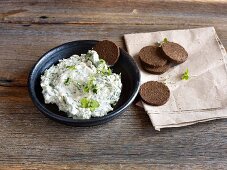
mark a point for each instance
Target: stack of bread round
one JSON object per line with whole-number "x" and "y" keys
{"x": 157, "y": 60}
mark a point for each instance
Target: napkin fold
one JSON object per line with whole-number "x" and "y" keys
{"x": 201, "y": 98}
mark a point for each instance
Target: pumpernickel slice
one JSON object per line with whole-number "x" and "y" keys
{"x": 156, "y": 70}
{"x": 154, "y": 93}
{"x": 174, "y": 52}
{"x": 108, "y": 51}
{"x": 152, "y": 56}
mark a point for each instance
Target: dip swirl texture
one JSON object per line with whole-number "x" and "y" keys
{"x": 82, "y": 86}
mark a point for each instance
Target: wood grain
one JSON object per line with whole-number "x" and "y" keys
{"x": 28, "y": 137}
{"x": 28, "y": 43}
{"x": 119, "y": 12}
{"x": 28, "y": 140}
{"x": 81, "y": 166}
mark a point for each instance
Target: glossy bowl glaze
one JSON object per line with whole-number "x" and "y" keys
{"x": 130, "y": 77}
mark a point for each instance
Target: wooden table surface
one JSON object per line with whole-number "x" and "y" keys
{"x": 30, "y": 140}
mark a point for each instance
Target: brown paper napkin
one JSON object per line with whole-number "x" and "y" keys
{"x": 201, "y": 98}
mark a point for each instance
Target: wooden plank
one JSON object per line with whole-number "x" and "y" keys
{"x": 27, "y": 137}
{"x": 28, "y": 140}
{"x": 118, "y": 12}
{"x": 21, "y": 46}
{"x": 132, "y": 166}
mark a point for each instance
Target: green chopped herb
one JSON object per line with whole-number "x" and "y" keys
{"x": 109, "y": 71}
{"x": 78, "y": 85}
{"x": 91, "y": 104}
{"x": 185, "y": 76}
{"x": 71, "y": 67}
{"x": 165, "y": 40}
{"x": 90, "y": 81}
{"x": 84, "y": 102}
{"x": 88, "y": 56}
{"x": 90, "y": 86}
{"x": 106, "y": 71}
{"x": 95, "y": 90}
{"x": 101, "y": 61}
{"x": 86, "y": 89}
{"x": 67, "y": 81}
{"x": 64, "y": 100}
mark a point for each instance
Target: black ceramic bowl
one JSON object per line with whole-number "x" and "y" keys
{"x": 125, "y": 65}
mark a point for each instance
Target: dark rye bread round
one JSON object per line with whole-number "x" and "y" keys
{"x": 174, "y": 52}
{"x": 154, "y": 93}
{"x": 108, "y": 51}
{"x": 156, "y": 70}
{"x": 152, "y": 56}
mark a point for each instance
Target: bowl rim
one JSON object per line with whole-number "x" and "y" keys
{"x": 69, "y": 120}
